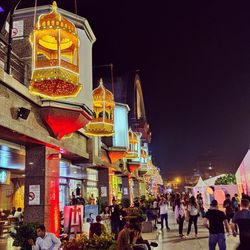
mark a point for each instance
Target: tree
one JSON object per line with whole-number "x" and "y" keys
{"x": 226, "y": 180}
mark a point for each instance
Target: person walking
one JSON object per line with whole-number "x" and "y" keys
{"x": 214, "y": 221}
{"x": 193, "y": 215}
{"x": 242, "y": 220}
{"x": 164, "y": 212}
{"x": 180, "y": 216}
{"x": 228, "y": 205}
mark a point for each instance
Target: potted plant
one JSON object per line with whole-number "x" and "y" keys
{"x": 22, "y": 234}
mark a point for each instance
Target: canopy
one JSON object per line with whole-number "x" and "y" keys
{"x": 200, "y": 183}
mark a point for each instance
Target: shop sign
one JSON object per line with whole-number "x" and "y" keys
{"x": 92, "y": 174}
{"x": 63, "y": 181}
{"x": 90, "y": 213}
{"x": 34, "y": 194}
{"x": 4, "y": 177}
{"x": 104, "y": 192}
{"x": 91, "y": 184}
{"x": 17, "y": 30}
{"x": 73, "y": 218}
{"x": 125, "y": 191}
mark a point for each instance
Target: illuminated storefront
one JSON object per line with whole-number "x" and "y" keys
{"x": 117, "y": 187}
{"x": 91, "y": 184}
{"x": 12, "y": 157}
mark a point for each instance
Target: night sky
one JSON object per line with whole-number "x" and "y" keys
{"x": 194, "y": 62}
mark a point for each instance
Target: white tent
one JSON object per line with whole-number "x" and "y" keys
{"x": 200, "y": 183}
{"x": 201, "y": 187}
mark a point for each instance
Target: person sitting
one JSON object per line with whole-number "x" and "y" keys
{"x": 96, "y": 228}
{"x": 19, "y": 215}
{"x": 44, "y": 240}
{"x": 151, "y": 215}
{"x": 127, "y": 238}
{"x": 13, "y": 210}
{"x": 3, "y": 216}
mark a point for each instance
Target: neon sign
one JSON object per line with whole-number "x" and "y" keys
{"x": 3, "y": 176}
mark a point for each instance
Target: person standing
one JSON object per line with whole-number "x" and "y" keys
{"x": 215, "y": 220}
{"x": 106, "y": 218}
{"x": 180, "y": 216}
{"x": 114, "y": 217}
{"x": 164, "y": 212}
{"x": 92, "y": 199}
{"x": 228, "y": 205}
{"x": 96, "y": 228}
{"x": 193, "y": 215}
{"x": 44, "y": 240}
{"x": 242, "y": 220}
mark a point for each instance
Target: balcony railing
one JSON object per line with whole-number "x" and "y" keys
{"x": 18, "y": 69}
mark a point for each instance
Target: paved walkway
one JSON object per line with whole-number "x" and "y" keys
{"x": 167, "y": 240}
{"x": 171, "y": 241}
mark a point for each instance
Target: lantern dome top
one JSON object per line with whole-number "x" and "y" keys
{"x": 101, "y": 94}
{"x": 143, "y": 153}
{"x": 55, "y": 20}
{"x": 132, "y": 136}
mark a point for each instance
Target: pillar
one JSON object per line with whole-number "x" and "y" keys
{"x": 42, "y": 187}
{"x": 104, "y": 186}
{"x": 125, "y": 188}
{"x": 136, "y": 188}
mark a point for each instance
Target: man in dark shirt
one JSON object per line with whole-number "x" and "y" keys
{"x": 216, "y": 219}
{"x": 242, "y": 219}
{"x": 115, "y": 217}
{"x": 228, "y": 204}
{"x": 96, "y": 228}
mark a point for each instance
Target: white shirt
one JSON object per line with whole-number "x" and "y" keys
{"x": 163, "y": 208}
{"x": 179, "y": 211}
{"x": 192, "y": 210}
{"x": 155, "y": 204}
{"x": 49, "y": 242}
{"x": 18, "y": 215}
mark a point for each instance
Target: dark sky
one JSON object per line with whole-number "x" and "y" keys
{"x": 194, "y": 61}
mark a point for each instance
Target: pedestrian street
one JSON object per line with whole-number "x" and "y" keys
{"x": 171, "y": 241}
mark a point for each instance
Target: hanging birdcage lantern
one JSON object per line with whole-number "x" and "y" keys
{"x": 133, "y": 145}
{"x": 55, "y": 61}
{"x": 102, "y": 123}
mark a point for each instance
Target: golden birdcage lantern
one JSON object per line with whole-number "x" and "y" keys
{"x": 144, "y": 154}
{"x": 102, "y": 123}
{"x": 133, "y": 145}
{"x": 55, "y": 61}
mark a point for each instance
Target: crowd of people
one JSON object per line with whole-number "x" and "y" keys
{"x": 233, "y": 216}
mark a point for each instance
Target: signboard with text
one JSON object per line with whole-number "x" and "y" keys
{"x": 34, "y": 194}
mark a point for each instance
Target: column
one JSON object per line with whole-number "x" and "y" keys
{"x": 42, "y": 187}
{"x": 136, "y": 188}
{"x": 104, "y": 185}
{"x": 125, "y": 188}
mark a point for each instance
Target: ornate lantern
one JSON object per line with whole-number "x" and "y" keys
{"x": 133, "y": 145}
{"x": 55, "y": 47}
{"x": 102, "y": 123}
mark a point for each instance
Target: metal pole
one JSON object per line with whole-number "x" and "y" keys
{"x": 9, "y": 47}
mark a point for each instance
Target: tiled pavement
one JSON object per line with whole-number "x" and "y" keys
{"x": 167, "y": 240}
{"x": 171, "y": 241}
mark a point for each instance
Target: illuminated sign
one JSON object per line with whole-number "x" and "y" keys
{"x": 4, "y": 177}
{"x": 1, "y": 9}
{"x": 120, "y": 139}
